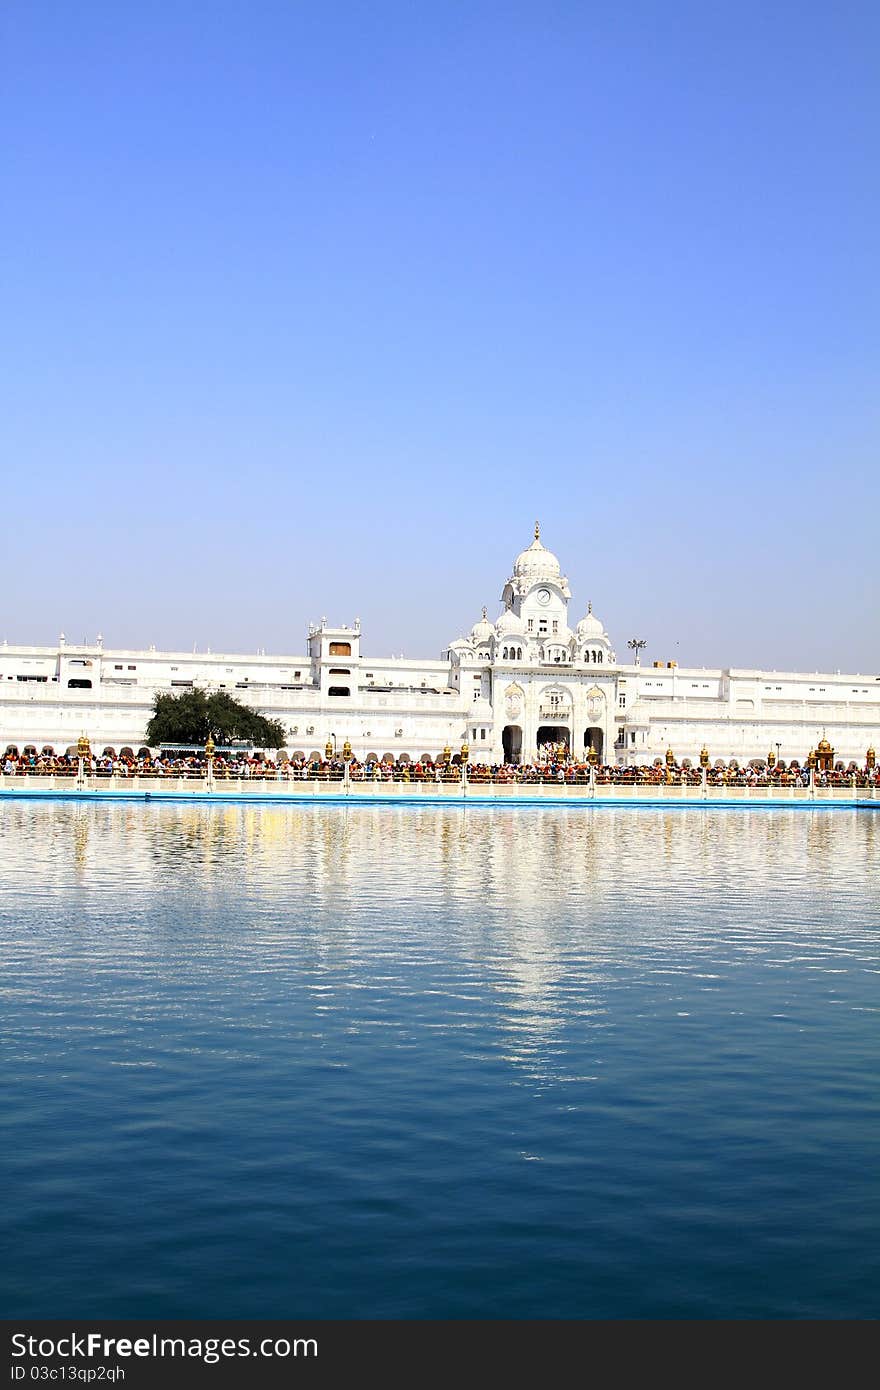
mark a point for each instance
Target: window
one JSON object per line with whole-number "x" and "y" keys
{"x": 119, "y": 668}
{"x": 482, "y": 733}
{"x": 621, "y": 702}
{"x": 339, "y": 671}
{"x": 339, "y": 690}
{"x": 531, "y": 624}
{"x": 340, "y": 649}
{"x": 77, "y": 684}
{"x": 132, "y": 668}
{"x": 555, "y": 624}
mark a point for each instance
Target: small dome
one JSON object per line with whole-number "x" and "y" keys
{"x": 509, "y": 625}
{"x": 590, "y": 626}
{"x": 639, "y": 714}
{"x": 537, "y": 562}
{"x": 480, "y": 712}
{"x": 483, "y": 631}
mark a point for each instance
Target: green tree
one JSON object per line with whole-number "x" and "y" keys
{"x": 191, "y": 716}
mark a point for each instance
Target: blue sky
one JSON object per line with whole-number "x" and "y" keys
{"x": 312, "y": 309}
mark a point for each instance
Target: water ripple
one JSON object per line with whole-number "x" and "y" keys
{"x": 421, "y": 1062}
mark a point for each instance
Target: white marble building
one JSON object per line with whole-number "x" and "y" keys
{"x": 531, "y": 677}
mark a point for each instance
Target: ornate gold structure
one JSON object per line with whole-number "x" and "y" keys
{"x": 592, "y": 756}
{"x": 328, "y": 750}
{"x": 209, "y": 748}
{"x": 83, "y": 747}
{"x": 870, "y": 759}
{"x": 670, "y": 758}
{"x": 825, "y": 755}
{"x": 465, "y": 754}
{"x": 704, "y": 756}
{"x": 771, "y": 759}
{"x": 346, "y": 751}
{"x": 447, "y": 755}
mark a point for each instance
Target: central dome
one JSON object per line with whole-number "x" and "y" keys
{"x": 537, "y": 562}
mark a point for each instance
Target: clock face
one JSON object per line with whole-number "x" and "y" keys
{"x": 543, "y": 596}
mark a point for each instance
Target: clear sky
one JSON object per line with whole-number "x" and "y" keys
{"x": 312, "y": 309}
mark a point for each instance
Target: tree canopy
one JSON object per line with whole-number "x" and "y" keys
{"x": 193, "y": 714}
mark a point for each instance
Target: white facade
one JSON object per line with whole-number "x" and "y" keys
{"x": 511, "y": 686}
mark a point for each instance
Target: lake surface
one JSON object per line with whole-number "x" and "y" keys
{"x": 439, "y": 1062}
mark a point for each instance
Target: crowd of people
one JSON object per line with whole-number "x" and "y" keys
{"x": 549, "y": 770}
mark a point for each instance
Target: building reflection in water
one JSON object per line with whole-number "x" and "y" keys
{"x": 538, "y": 914}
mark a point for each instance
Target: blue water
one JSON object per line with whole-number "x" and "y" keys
{"x": 439, "y": 1062}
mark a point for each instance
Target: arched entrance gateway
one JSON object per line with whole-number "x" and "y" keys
{"x": 594, "y": 738}
{"x": 553, "y": 734}
{"x": 511, "y": 741}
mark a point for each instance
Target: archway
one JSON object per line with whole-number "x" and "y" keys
{"x": 553, "y": 733}
{"x": 511, "y": 741}
{"x": 594, "y": 738}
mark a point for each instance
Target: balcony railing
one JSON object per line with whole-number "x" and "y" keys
{"x": 557, "y": 714}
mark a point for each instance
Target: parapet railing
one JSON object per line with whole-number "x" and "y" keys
{"x": 446, "y": 780}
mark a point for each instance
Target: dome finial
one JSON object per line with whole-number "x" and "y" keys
{"x": 484, "y": 613}
{"x": 589, "y": 605}
{"x": 537, "y": 530}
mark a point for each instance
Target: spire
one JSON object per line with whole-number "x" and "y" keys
{"x": 484, "y": 612}
{"x": 537, "y": 530}
{"x": 589, "y": 605}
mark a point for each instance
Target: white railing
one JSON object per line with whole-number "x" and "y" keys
{"x": 380, "y": 781}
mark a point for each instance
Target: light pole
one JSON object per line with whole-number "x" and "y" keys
{"x": 637, "y": 645}
{"x": 778, "y": 746}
